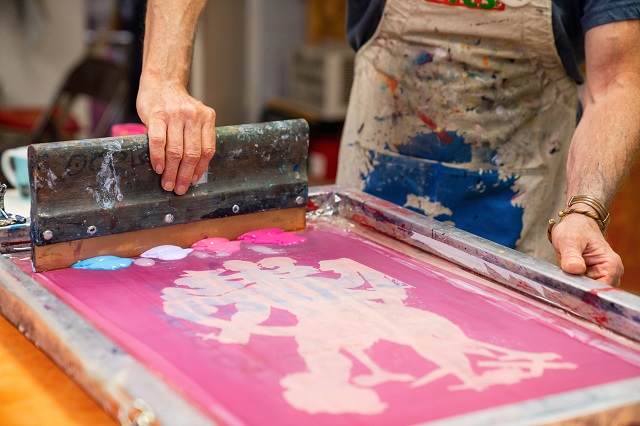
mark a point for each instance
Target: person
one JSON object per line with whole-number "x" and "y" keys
{"x": 465, "y": 110}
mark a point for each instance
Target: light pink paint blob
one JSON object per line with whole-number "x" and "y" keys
{"x": 229, "y": 247}
{"x": 144, "y": 262}
{"x": 263, "y": 249}
{"x": 201, "y": 254}
{"x": 272, "y": 236}
{"x": 209, "y": 242}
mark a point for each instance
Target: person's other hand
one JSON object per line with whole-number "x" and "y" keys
{"x": 181, "y": 133}
{"x": 582, "y": 250}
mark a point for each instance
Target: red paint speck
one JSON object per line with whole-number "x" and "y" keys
{"x": 600, "y": 319}
{"x": 442, "y": 135}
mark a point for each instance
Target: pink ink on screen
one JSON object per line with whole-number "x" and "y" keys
{"x": 337, "y": 331}
{"x": 217, "y": 245}
{"x": 272, "y": 236}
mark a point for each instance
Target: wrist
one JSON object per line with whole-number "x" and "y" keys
{"x": 586, "y": 207}
{"x": 151, "y": 84}
{"x": 166, "y": 76}
{"x": 582, "y": 206}
{"x": 581, "y": 219}
{"x": 591, "y": 207}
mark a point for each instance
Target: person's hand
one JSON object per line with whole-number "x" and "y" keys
{"x": 582, "y": 250}
{"x": 181, "y": 133}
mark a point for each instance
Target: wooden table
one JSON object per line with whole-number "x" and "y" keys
{"x": 34, "y": 391}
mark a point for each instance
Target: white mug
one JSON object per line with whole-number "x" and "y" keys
{"x": 15, "y": 168}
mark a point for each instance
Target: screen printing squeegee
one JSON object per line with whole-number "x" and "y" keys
{"x": 101, "y": 196}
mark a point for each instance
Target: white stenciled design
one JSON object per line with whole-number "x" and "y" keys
{"x": 341, "y": 309}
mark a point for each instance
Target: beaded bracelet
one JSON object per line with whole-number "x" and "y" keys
{"x": 601, "y": 215}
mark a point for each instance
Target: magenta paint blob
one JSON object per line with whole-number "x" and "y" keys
{"x": 272, "y": 236}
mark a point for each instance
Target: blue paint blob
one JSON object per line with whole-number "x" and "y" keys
{"x": 103, "y": 263}
{"x": 480, "y": 201}
{"x": 430, "y": 146}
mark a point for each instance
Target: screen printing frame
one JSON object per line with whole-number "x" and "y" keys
{"x": 130, "y": 392}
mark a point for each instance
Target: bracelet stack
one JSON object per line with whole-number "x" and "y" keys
{"x": 601, "y": 215}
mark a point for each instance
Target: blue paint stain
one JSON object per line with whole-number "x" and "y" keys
{"x": 430, "y": 147}
{"x": 103, "y": 263}
{"x": 480, "y": 202}
{"x": 423, "y": 58}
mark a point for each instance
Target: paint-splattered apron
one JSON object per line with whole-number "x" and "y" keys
{"x": 464, "y": 113}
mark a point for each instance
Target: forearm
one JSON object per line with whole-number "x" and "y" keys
{"x": 606, "y": 142}
{"x": 169, "y": 33}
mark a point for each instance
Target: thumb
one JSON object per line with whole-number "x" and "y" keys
{"x": 571, "y": 260}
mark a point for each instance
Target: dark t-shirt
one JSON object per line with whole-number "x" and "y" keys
{"x": 571, "y": 19}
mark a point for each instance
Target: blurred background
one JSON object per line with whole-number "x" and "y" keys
{"x": 70, "y": 70}
{"x": 253, "y": 61}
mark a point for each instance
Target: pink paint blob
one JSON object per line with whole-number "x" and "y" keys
{"x": 209, "y": 242}
{"x": 217, "y": 245}
{"x": 272, "y": 236}
{"x": 260, "y": 233}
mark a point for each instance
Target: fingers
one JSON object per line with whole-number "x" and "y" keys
{"x": 188, "y": 154}
{"x": 582, "y": 250}
{"x": 569, "y": 250}
{"x": 191, "y": 139}
{"x": 173, "y": 153}
{"x": 571, "y": 260}
{"x": 208, "y": 147}
{"x": 157, "y": 130}
{"x": 609, "y": 271}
